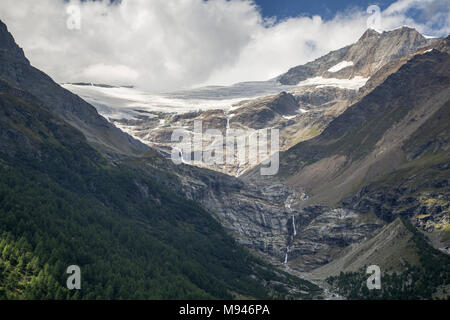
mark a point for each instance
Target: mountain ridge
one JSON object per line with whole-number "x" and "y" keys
{"x": 16, "y": 69}
{"x": 367, "y": 55}
{"x": 335, "y": 133}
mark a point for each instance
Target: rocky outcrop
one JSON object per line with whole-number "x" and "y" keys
{"x": 418, "y": 191}
{"x": 298, "y": 115}
{"x": 329, "y": 232}
{"x": 390, "y": 248}
{"x": 264, "y": 219}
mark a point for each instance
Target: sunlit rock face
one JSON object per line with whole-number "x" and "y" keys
{"x": 362, "y": 59}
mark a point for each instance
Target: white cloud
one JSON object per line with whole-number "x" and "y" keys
{"x": 433, "y": 16}
{"x": 169, "y": 44}
{"x": 96, "y": 73}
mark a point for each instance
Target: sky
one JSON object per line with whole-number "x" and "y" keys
{"x": 163, "y": 45}
{"x": 282, "y": 9}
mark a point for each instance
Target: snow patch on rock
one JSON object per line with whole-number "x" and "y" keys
{"x": 320, "y": 82}
{"x": 340, "y": 66}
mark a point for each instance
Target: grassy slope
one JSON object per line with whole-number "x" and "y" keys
{"x": 424, "y": 274}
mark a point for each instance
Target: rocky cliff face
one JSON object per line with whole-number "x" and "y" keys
{"x": 390, "y": 248}
{"x": 419, "y": 191}
{"x": 367, "y": 139}
{"x": 264, "y": 218}
{"x": 299, "y": 115}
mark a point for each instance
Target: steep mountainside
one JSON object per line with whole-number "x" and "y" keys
{"x": 369, "y": 138}
{"x": 410, "y": 267}
{"x": 62, "y": 203}
{"x": 390, "y": 249}
{"x": 386, "y": 156}
{"x": 16, "y": 69}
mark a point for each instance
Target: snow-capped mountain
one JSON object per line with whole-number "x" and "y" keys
{"x": 320, "y": 91}
{"x": 361, "y": 59}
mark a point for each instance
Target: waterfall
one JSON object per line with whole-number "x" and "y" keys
{"x": 286, "y": 256}
{"x": 293, "y": 225}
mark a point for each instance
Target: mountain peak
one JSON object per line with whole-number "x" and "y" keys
{"x": 404, "y": 30}
{"x": 367, "y": 55}
{"x": 8, "y": 44}
{"x": 370, "y": 33}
